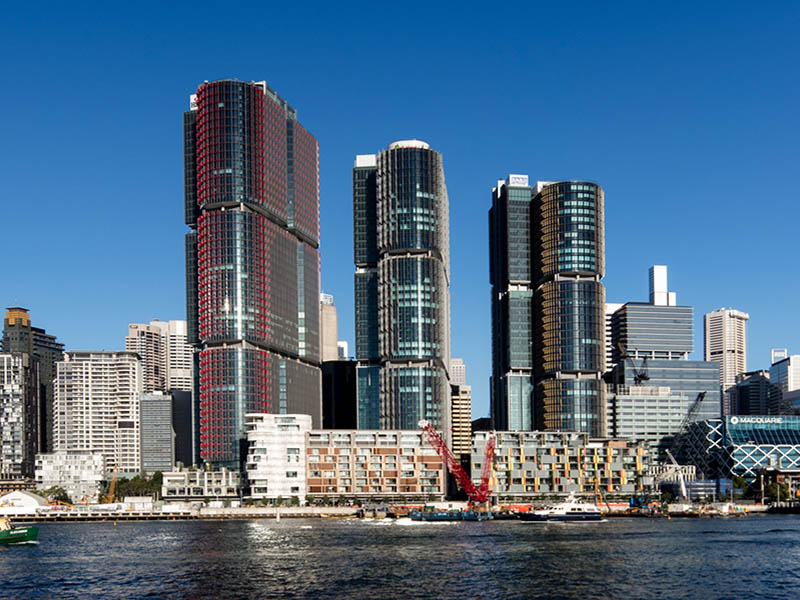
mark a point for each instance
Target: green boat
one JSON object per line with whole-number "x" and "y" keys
{"x": 17, "y": 535}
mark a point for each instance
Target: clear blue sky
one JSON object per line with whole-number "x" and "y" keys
{"x": 686, "y": 114}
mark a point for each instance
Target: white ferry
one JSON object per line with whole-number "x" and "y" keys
{"x": 569, "y": 510}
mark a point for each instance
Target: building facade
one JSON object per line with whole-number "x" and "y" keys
{"x": 726, "y": 344}
{"x": 157, "y": 436}
{"x": 252, "y": 203}
{"x": 785, "y": 375}
{"x": 20, "y": 336}
{"x": 96, "y": 406}
{"x": 201, "y": 484}
{"x": 402, "y": 293}
{"x": 568, "y": 332}
{"x": 276, "y": 457}
{"x": 79, "y": 472}
{"x": 339, "y": 395}
{"x": 329, "y": 328}
{"x": 395, "y": 466}
{"x": 166, "y": 355}
{"x": 754, "y": 394}
{"x": 529, "y": 465}
{"x": 20, "y": 416}
{"x": 510, "y": 261}
{"x": 461, "y": 412}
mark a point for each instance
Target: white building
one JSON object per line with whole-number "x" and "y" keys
{"x": 458, "y": 372}
{"x": 20, "y": 426}
{"x": 329, "y": 328}
{"x": 276, "y": 452}
{"x": 166, "y": 355}
{"x": 187, "y": 484}
{"x": 79, "y": 472}
{"x": 20, "y": 502}
{"x": 726, "y": 343}
{"x": 96, "y": 406}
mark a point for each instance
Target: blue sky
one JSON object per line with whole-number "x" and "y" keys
{"x": 685, "y": 113}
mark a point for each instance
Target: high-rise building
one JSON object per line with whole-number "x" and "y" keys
{"x": 726, "y": 344}
{"x": 658, "y": 329}
{"x": 458, "y": 372}
{"x": 754, "y": 394}
{"x": 339, "y": 393}
{"x": 97, "y": 406}
{"x": 461, "y": 411}
{"x": 610, "y": 309}
{"x": 20, "y": 336}
{"x": 510, "y": 260}
{"x": 402, "y": 295}
{"x": 329, "y": 328}
{"x": 785, "y": 376}
{"x": 20, "y": 416}
{"x": 776, "y": 354}
{"x": 567, "y": 265}
{"x": 157, "y": 437}
{"x": 252, "y": 203}
{"x": 166, "y": 355}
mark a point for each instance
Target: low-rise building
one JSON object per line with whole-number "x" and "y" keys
{"x": 530, "y": 465}
{"x": 743, "y": 445}
{"x": 79, "y": 472}
{"x": 276, "y": 465}
{"x": 190, "y": 484}
{"x": 381, "y": 465}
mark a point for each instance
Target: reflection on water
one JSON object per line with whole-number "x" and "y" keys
{"x": 636, "y": 558}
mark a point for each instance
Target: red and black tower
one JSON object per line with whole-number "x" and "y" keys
{"x": 252, "y": 262}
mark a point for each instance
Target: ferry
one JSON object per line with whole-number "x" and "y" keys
{"x": 569, "y": 510}
{"x": 16, "y": 535}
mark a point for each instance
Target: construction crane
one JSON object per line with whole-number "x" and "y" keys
{"x": 479, "y": 494}
{"x": 112, "y": 487}
{"x": 639, "y": 373}
{"x": 676, "y": 440}
{"x": 676, "y": 467}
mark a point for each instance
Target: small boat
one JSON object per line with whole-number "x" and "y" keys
{"x": 476, "y": 515}
{"x": 569, "y": 510}
{"x": 17, "y": 535}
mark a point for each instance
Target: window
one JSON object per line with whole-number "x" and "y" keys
{"x": 291, "y": 474}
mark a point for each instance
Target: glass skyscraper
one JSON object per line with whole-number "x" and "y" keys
{"x": 568, "y": 262}
{"x": 512, "y": 297}
{"x": 252, "y": 203}
{"x": 402, "y": 296}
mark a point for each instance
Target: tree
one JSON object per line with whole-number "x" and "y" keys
{"x": 773, "y": 489}
{"x": 57, "y": 494}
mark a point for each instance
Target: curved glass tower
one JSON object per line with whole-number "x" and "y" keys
{"x": 401, "y": 240}
{"x": 252, "y": 201}
{"x": 568, "y": 306}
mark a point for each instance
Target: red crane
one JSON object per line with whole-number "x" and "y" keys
{"x": 479, "y": 494}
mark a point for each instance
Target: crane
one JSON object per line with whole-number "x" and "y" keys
{"x": 479, "y": 494}
{"x": 639, "y": 374}
{"x": 677, "y": 468}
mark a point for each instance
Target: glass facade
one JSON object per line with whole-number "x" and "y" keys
{"x": 652, "y": 330}
{"x": 252, "y": 201}
{"x": 567, "y": 226}
{"x": 512, "y": 297}
{"x": 402, "y": 297}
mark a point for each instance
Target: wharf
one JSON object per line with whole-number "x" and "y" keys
{"x": 201, "y": 514}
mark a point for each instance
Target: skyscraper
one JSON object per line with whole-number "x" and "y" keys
{"x": 252, "y": 202}
{"x": 402, "y": 296}
{"x": 568, "y": 262}
{"x": 20, "y": 336}
{"x": 726, "y": 344}
{"x": 512, "y": 298}
{"x": 166, "y": 355}
{"x": 329, "y": 328}
{"x": 20, "y": 416}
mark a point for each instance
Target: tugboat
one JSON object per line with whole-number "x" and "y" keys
{"x": 16, "y": 535}
{"x": 569, "y": 510}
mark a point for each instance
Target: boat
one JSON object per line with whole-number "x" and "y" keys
{"x": 569, "y": 510}
{"x": 17, "y": 535}
{"x": 436, "y": 515}
{"x": 476, "y": 515}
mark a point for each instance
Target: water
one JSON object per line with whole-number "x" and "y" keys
{"x": 757, "y": 557}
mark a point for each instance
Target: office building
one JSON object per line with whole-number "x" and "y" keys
{"x": 329, "y": 328}
{"x": 458, "y": 372}
{"x": 157, "y": 437}
{"x": 754, "y": 394}
{"x": 776, "y": 354}
{"x": 785, "y": 375}
{"x": 531, "y": 465}
{"x": 402, "y": 295}
{"x": 20, "y": 415}
{"x": 97, "y": 407}
{"x": 20, "y": 336}
{"x": 276, "y": 457}
{"x": 342, "y": 350}
{"x": 79, "y": 472}
{"x": 726, "y": 344}
{"x": 658, "y": 329}
{"x": 395, "y": 466}
{"x": 252, "y": 204}
{"x": 461, "y": 411}
{"x": 339, "y": 395}
{"x": 182, "y": 426}
{"x": 567, "y": 264}
{"x": 744, "y": 445}
{"x": 511, "y": 386}
{"x": 610, "y": 309}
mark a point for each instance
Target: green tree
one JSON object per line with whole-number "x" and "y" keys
{"x": 57, "y": 494}
{"x": 771, "y": 491}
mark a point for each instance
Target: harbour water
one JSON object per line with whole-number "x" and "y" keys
{"x": 756, "y": 557}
